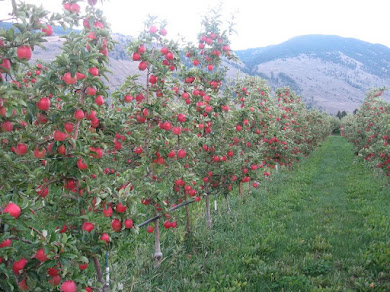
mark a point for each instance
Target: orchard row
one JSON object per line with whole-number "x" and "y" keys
{"x": 81, "y": 168}
{"x": 369, "y": 130}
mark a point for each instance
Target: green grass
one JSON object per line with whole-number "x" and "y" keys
{"x": 323, "y": 227}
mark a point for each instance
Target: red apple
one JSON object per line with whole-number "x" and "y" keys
{"x": 59, "y": 136}
{"x": 80, "y": 76}
{"x": 128, "y": 223}
{"x": 167, "y": 126}
{"x": 143, "y": 65}
{"x": 81, "y": 164}
{"x": 68, "y": 79}
{"x": 99, "y": 100}
{"x": 21, "y": 149}
{"x": 61, "y": 149}
{"x": 153, "y": 29}
{"x": 19, "y": 266}
{"x": 79, "y": 115}
{"x": 163, "y": 31}
{"x": 67, "y": 6}
{"x": 39, "y": 153}
{"x": 91, "y": 115}
{"x": 69, "y": 286}
{"x": 153, "y": 79}
{"x": 52, "y": 272}
{"x": 171, "y": 154}
{"x": 136, "y": 56}
{"x": 55, "y": 280}
{"x": 68, "y": 127}
{"x": 6, "y": 243}
{"x": 99, "y": 24}
{"x": 181, "y": 153}
{"x": 74, "y": 8}
{"x": 138, "y": 150}
{"x": 120, "y": 208}
{"x": 141, "y": 49}
{"x": 83, "y": 266}
{"x": 90, "y": 91}
{"x": 176, "y": 130}
{"x": 23, "y": 285}
{"x": 24, "y": 52}
{"x": 42, "y": 191}
{"x": 208, "y": 109}
{"x": 116, "y": 225}
{"x": 86, "y": 23}
{"x": 169, "y": 56}
{"x": 128, "y": 98}
{"x": 88, "y": 226}
{"x": 105, "y": 237}
{"x": 98, "y": 152}
{"x": 44, "y": 104}
{"x": 7, "y": 126}
{"x": 42, "y": 119}
{"x": 95, "y": 123}
{"x": 94, "y": 71}
{"x": 13, "y": 209}
{"x": 40, "y": 255}
{"x": 181, "y": 118}
{"x": 48, "y": 30}
{"x": 5, "y": 64}
{"x": 107, "y": 212}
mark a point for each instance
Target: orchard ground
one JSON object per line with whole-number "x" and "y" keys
{"x": 322, "y": 227}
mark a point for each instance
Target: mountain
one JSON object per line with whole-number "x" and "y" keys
{"x": 329, "y": 72}
{"x": 119, "y": 62}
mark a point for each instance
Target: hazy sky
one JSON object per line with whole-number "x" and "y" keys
{"x": 258, "y": 22}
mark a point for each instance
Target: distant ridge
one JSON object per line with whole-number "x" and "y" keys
{"x": 330, "y": 72}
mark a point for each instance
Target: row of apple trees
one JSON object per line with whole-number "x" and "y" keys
{"x": 369, "y": 130}
{"x": 81, "y": 168}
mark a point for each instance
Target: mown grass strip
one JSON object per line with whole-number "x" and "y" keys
{"x": 323, "y": 227}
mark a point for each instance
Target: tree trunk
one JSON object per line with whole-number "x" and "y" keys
{"x": 208, "y": 212}
{"x": 99, "y": 274}
{"x": 188, "y": 222}
{"x": 157, "y": 250}
{"x": 229, "y": 209}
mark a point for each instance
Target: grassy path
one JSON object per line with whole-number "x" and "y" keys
{"x": 323, "y": 227}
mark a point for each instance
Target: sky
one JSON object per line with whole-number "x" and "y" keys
{"x": 259, "y": 23}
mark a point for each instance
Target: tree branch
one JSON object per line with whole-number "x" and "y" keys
{"x": 22, "y": 240}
